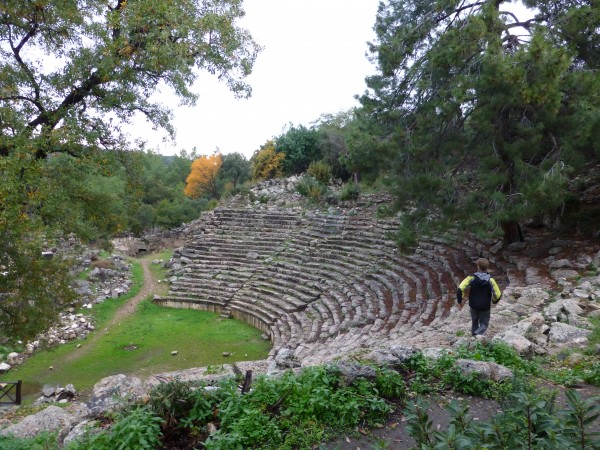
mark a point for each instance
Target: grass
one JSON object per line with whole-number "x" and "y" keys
{"x": 141, "y": 345}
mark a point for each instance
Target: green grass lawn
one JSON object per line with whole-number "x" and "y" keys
{"x": 141, "y": 345}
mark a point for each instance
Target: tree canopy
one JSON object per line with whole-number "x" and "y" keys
{"x": 68, "y": 68}
{"x": 487, "y": 114}
{"x": 202, "y": 179}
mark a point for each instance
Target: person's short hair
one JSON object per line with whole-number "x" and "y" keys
{"x": 482, "y": 264}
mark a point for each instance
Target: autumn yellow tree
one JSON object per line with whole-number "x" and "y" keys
{"x": 267, "y": 162}
{"x": 202, "y": 179}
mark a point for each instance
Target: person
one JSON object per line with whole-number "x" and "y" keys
{"x": 483, "y": 291}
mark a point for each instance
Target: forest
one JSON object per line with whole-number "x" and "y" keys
{"x": 476, "y": 117}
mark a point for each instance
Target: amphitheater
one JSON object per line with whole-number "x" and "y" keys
{"x": 331, "y": 283}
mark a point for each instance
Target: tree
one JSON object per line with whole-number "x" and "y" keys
{"x": 487, "y": 114}
{"x": 202, "y": 179}
{"x": 300, "y": 146}
{"x": 71, "y": 73}
{"x": 267, "y": 163}
{"x": 108, "y": 58}
{"x": 235, "y": 169}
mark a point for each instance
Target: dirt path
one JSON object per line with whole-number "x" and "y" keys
{"x": 148, "y": 288}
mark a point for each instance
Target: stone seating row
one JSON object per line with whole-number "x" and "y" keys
{"x": 320, "y": 279}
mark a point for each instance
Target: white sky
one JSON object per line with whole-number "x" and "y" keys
{"x": 313, "y": 63}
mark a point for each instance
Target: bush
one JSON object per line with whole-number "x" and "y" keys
{"x": 135, "y": 429}
{"x": 311, "y": 188}
{"x": 320, "y": 171}
{"x": 350, "y": 191}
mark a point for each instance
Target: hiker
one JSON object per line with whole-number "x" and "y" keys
{"x": 483, "y": 290}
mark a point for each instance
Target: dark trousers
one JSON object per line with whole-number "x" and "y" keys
{"x": 479, "y": 321}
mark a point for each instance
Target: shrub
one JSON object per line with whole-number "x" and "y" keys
{"x": 102, "y": 264}
{"x": 320, "y": 171}
{"x": 172, "y": 401}
{"x": 350, "y": 191}
{"x": 390, "y": 384}
{"x": 135, "y": 429}
{"x": 311, "y": 188}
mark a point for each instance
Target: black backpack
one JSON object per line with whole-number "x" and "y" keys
{"x": 480, "y": 293}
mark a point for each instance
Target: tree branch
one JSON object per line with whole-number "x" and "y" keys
{"x": 16, "y": 52}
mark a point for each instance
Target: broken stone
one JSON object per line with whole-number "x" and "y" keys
{"x": 562, "y": 333}
{"x": 485, "y": 370}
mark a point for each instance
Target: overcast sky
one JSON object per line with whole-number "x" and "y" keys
{"x": 313, "y": 63}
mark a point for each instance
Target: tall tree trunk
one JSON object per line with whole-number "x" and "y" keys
{"x": 512, "y": 232}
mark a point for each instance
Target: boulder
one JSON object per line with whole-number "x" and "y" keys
{"x": 564, "y": 273}
{"x": 566, "y": 311}
{"x": 562, "y": 333}
{"x": 5, "y": 367}
{"x": 13, "y": 358}
{"x": 67, "y": 393}
{"x": 561, "y": 264}
{"x": 485, "y": 370}
{"x": 52, "y": 419}
{"x": 403, "y": 353}
{"x": 48, "y": 390}
{"x": 351, "y": 371}
{"x": 435, "y": 353}
{"x": 533, "y": 296}
{"x": 80, "y": 430}
{"x": 517, "y": 341}
{"x": 112, "y": 392}
{"x": 580, "y": 293}
{"x": 285, "y": 359}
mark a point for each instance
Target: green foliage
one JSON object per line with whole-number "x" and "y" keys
{"x": 390, "y": 384}
{"x": 156, "y": 198}
{"x": 320, "y": 171}
{"x": 350, "y": 191}
{"x": 426, "y": 375}
{"x": 171, "y": 401}
{"x": 478, "y": 125}
{"x": 301, "y": 148}
{"x": 32, "y": 289}
{"x": 288, "y": 412}
{"x": 234, "y": 171}
{"x": 134, "y": 429}
{"x": 292, "y": 410}
{"x": 530, "y": 422}
{"x": 43, "y": 441}
{"x": 500, "y": 353}
{"x": 131, "y": 50}
{"x": 311, "y": 188}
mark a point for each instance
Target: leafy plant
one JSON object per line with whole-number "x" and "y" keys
{"x": 309, "y": 187}
{"x": 134, "y": 429}
{"x": 43, "y": 441}
{"x": 350, "y": 191}
{"x": 320, "y": 171}
{"x": 530, "y": 421}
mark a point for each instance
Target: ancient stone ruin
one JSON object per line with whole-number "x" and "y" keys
{"x": 326, "y": 285}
